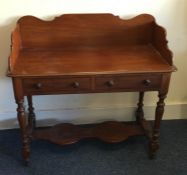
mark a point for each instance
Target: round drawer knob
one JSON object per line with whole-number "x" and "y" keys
{"x": 147, "y": 82}
{"x": 110, "y": 83}
{"x": 75, "y": 84}
{"x": 38, "y": 85}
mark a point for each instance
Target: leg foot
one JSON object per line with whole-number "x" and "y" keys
{"x": 153, "y": 147}
{"x": 26, "y": 163}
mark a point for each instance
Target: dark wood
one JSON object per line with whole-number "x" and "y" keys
{"x": 154, "y": 143}
{"x": 89, "y": 53}
{"x": 46, "y": 85}
{"x": 21, "y": 115}
{"x": 146, "y": 126}
{"x": 138, "y": 59}
{"x": 110, "y": 132}
{"x": 140, "y": 112}
{"x": 22, "y": 123}
{"x": 31, "y": 116}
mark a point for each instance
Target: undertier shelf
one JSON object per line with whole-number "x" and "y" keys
{"x": 110, "y": 132}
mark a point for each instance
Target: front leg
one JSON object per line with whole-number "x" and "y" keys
{"x": 154, "y": 142}
{"x": 24, "y": 132}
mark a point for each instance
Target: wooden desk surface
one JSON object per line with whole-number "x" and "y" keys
{"x": 87, "y": 60}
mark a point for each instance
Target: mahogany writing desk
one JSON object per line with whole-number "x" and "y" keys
{"x": 89, "y": 53}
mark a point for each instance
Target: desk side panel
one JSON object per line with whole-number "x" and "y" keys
{"x": 161, "y": 44}
{"x": 15, "y": 49}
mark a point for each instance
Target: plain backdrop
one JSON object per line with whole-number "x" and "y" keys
{"x": 172, "y": 14}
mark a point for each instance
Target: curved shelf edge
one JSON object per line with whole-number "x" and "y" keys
{"x": 111, "y": 132}
{"x": 141, "y": 18}
{"x": 161, "y": 43}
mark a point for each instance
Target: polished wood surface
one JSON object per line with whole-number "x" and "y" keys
{"x": 92, "y": 30}
{"x": 100, "y": 40}
{"x": 110, "y": 132}
{"x": 86, "y": 61}
{"x": 89, "y": 53}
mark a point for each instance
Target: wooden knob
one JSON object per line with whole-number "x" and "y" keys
{"x": 147, "y": 82}
{"x": 38, "y": 85}
{"x": 110, "y": 83}
{"x": 75, "y": 84}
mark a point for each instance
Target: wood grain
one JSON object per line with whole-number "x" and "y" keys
{"x": 110, "y": 132}
{"x": 100, "y": 40}
{"x": 90, "y": 61}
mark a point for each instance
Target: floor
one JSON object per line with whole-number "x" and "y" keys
{"x": 93, "y": 157}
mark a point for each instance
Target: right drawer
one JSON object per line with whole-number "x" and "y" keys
{"x": 128, "y": 82}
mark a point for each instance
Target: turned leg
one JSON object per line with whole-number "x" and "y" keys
{"x": 139, "y": 112}
{"x": 31, "y": 116}
{"x": 154, "y": 142}
{"x": 23, "y": 127}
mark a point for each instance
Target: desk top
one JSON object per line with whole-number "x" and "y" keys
{"x": 81, "y": 61}
{"x": 88, "y": 44}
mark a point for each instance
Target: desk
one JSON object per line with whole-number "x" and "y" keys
{"x": 89, "y": 53}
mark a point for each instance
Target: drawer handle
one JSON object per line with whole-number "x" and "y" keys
{"x": 147, "y": 82}
{"x": 75, "y": 84}
{"x": 110, "y": 83}
{"x": 38, "y": 85}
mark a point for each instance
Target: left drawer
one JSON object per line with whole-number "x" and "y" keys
{"x": 56, "y": 85}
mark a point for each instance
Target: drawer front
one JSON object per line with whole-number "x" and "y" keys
{"x": 130, "y": 82}
{"x": 47, "y": 85}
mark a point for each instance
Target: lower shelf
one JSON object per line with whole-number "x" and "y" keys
{"x": 111, "y": 132}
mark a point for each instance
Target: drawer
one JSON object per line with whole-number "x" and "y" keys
{"x": 47, "y": 85}
{"x": 128, "y": 82}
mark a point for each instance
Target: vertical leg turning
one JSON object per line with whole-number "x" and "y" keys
{"x": 139, "y": 112}
{"x": 154, "y": 143}
{"x": 32, "y": 118}
{"x": 23, "y": 127}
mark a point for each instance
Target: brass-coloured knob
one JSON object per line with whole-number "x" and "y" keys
{"x": 75, "y": 84}
{"x": 147, "y": 82}
{"x": 110, "y": 83}
{"x": 38, "y": 85}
